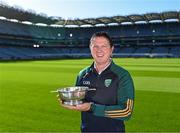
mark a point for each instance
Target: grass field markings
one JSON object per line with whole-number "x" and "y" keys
{"x": 27, "y": 67}
{"x": 154, "y": 110}
{"x": 157, "y": 83}
{"x": 147, "y": 60}
{"x": 153, "y": 69}
{"x": 170, "y": 74}
{"x": 29, "y": 112}
{"x": 158, "y": 90}
{"x": 42, "y": 65}
{"x": 40, "y": 72}
{"x": 146, "y": 65}
{"x": 81, "y": 66}
{"x": 30, "y": 123}
{"x": 78, "y": 63}
{"x": 48, "y": 62}
{"x": 17, "y": 83}
{"x": 135, "y": 115}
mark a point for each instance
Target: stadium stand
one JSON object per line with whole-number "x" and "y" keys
{"x": 133, "y": 36}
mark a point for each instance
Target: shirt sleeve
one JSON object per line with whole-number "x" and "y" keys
{"x": 77, "y": 81}
{"x": 79, "y": 77}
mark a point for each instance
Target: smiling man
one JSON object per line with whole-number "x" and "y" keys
{"x": 105, "y": 109}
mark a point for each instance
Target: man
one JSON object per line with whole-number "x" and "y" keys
{"x": 105, "y": 109}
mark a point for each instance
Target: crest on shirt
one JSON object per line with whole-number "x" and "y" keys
{"x": 107, "y": 82}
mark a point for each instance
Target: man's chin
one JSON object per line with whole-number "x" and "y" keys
{"x": 100, "y": 61}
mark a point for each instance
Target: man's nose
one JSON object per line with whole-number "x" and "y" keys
{"x": 99, "y": 49}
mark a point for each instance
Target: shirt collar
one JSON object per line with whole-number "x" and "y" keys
{"x": 104, "y": 67}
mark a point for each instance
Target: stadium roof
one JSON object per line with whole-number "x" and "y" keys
{"x": 24, "y": 16}
{"x": 134, "y": 18}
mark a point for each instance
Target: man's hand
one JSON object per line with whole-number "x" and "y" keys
{"x": 80, "y": 107}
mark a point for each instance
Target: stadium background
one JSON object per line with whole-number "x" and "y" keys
{"x": 148, "y": 45}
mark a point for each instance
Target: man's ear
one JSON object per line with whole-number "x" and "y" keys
{"x": 112, "y": 48}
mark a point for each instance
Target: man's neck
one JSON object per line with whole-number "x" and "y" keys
{"x": 101, "y": 67}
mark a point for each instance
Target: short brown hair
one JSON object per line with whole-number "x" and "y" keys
{"x": 102, "y": 34}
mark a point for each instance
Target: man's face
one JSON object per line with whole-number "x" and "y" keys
{"x": 101, "y": 50}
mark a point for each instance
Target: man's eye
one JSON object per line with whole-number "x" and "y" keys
{"x": 102, "y": 47}
{"x": 96, "y": 47}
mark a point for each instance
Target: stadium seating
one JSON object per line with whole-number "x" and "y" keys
{"x": 23, "y": 41}
{"x": 175, "y": 51}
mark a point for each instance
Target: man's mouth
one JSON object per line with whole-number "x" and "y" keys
{"x": 100, "y": 55}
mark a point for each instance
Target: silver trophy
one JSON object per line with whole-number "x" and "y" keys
{"x": 73, "y": 95}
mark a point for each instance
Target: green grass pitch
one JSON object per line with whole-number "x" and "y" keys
{"x": 26, "y": 103}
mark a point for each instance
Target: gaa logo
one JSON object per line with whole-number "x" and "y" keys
{"x": 86, "y": 82}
